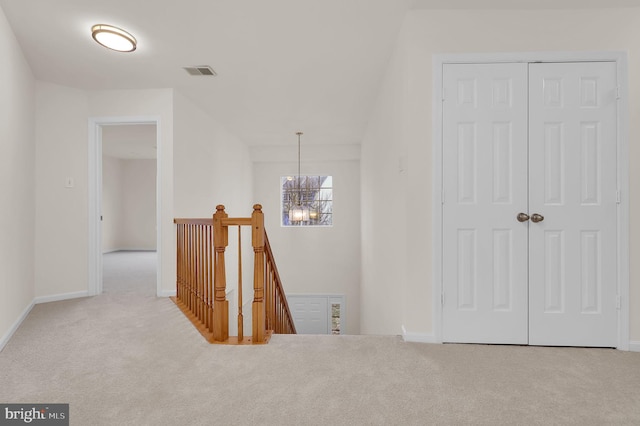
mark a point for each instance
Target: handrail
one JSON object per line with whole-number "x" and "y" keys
{"x": 279, "y": 318}
{"x": 201, "y": 279}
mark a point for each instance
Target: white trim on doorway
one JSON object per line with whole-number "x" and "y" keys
{"x": 623, "y": 168}
{"x": 95, "y": 196}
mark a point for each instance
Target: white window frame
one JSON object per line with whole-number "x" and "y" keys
{"x": 282, "y": 225}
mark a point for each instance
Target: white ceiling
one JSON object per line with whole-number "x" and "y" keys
{"x": 283, "y": 65}
{"x": 522, "y": 4}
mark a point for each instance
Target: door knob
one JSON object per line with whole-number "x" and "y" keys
{"x": 522, "y": 217}
{"x": 537, "y": 218}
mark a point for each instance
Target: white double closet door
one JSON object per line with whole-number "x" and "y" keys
{"x": 529, "y": 203}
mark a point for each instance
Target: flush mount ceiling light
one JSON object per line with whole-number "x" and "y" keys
{"x": 113, "y": 38}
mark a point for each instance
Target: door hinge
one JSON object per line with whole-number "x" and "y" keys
{"x": 618, "y": 302}
{"x": 618, "y": 197}
{"x": 442, "y": 298}
{"x": 618, "y": 92}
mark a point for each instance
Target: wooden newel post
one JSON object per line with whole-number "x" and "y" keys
{"x": 220, "y": 303}
{"x": 257, "y": 241}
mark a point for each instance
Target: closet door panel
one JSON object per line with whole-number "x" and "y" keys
{"x": 485, "y": 188}
{"x": 573, "y": 185}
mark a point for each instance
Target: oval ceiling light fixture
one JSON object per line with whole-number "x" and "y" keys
{"x": 113, "y": 38}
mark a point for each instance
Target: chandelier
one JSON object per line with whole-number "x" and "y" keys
{"x": 299, "y": 212}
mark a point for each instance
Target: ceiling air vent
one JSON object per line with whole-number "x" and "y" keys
{"x": 201, "y": 70}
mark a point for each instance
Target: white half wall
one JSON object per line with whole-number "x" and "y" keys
{"x": 17, "y": 183}
{"x": 401, "y": 127}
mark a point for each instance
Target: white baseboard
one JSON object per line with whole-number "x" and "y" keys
{"x": 634, "y": 346}
{"x": 409, "y": 336}
{"x": 7, "y": 336}
{"x": 59, "y": 297}
{"x": 167, "y": 293}
{"x": 127, "y": 249}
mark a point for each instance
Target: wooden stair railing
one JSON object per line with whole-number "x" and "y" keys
{"x": 201, "y": 279}
{"x": 278, "y": 315}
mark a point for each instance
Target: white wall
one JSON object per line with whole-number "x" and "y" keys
{"x": 128, "y": 204}
{"x": 316, "y": 259}
{"x": 17, "y": 187}
{"x": 384, "y": 221}
{"x": 409, "y": 85}
{"x": 139, "y": 205}
{"x": 61, "y": 213}
{"x": 62, "y": 151}
{"x": 112, "y": 208}
{"x": 155, "y": 103}
{"x": 212, "y": 166}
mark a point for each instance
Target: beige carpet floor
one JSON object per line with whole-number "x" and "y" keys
{"x": 129, "y": 358}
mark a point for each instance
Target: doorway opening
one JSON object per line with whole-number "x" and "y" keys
{"x": 124, "y": 200}
{"x": 128, "y": 216}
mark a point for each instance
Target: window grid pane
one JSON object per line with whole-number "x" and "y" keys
{"x": 313, "y": 192}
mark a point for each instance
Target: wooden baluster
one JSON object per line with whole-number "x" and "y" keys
{"x": 240, "y": 316}
{"x": 221, "y": 305}
{"x": 267, "y": 298}
{"x": 198, "y": 270}
{"x": 189, "y": 258}
{"x": 194, "y": 274}
{"x": 178, "y": 260}
{"x": 270, "y": 297}
{"x": 210, "y": 280}
{"x": 274, "y": 304}
{"x": 189, "y": 272}
{"x": 257, "y": 240}
{"x": 183, "y": 262}
{"x": 201, "y": 273}
{"x": 185, "y": 253}
{"x": 205, "y": 273}
{"x": 278, "y": 316}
